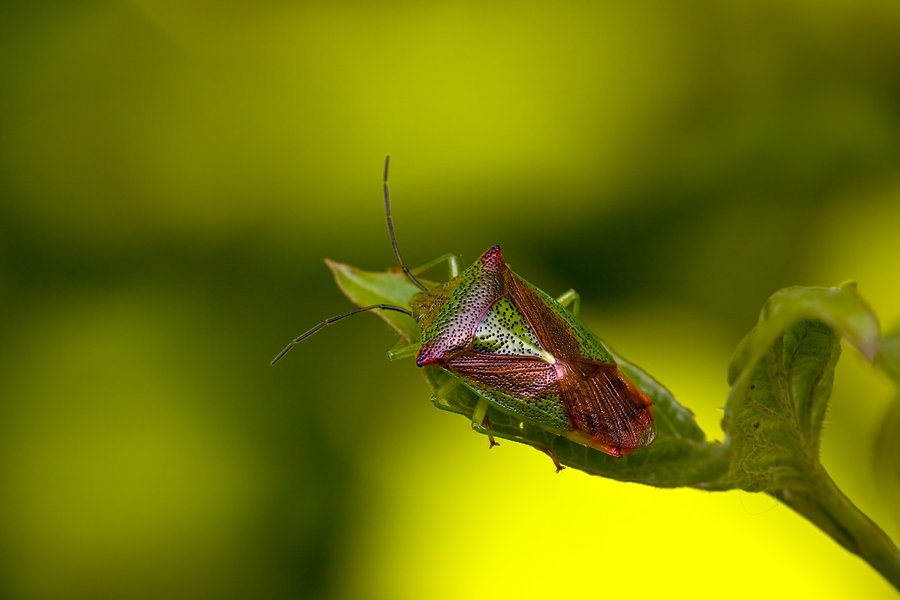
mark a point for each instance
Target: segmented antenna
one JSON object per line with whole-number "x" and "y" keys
{"x": 299, "y": 339}
{"x": 390, "y": 222}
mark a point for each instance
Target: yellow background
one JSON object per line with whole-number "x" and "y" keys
{"x": 173, "y": 173}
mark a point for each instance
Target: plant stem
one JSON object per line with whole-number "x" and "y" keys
{"x": 823, "y": 503}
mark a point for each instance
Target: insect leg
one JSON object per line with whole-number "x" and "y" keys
{"x": 452, "y": 262}
{"x": 570, "y": 297}
{"x": 481, "y": 423}
{"x": 492, "y": 433}
{"x": 440, "y": 399}
{"x": 442, "y": 393}
{"x": 402, "y": 350}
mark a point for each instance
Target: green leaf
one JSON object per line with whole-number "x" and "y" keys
{"x": 679, "y": 456}
{"x": 365, "y": 288}
{"x": 774, "y": 416}
{"x": 781, "y": 377}
{"x": 841, "y": 308}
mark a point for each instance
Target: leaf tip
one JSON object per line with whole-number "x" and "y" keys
{"x": 861, "y": 326}
{"x": 340, "y": 268}
{"x": 869, "y": 349}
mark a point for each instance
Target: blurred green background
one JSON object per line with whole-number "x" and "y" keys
{"x": 173, "y": 173}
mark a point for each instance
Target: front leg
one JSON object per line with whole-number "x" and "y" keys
{"x": 402, "y": 350}
{"x": 480, "y": 422}
{"x": 571, "y": 297}
{"x": 452, "y": 262}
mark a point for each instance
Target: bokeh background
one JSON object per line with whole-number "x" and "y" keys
{"x": 173, "y": 173}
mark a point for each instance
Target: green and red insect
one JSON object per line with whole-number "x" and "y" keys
{"x": 521, "y": 351}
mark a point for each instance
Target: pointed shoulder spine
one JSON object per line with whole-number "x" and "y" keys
{"x": 452, "y": 328}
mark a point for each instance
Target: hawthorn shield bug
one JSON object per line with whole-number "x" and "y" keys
{"x": 521, "y": 351}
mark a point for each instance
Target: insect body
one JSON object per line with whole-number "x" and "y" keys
{"x": 524, "y": 353}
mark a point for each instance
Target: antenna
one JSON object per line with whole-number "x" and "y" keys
{"x": 299, "y": 339}
{"x": 390, "y": 222}
{"x": 400, "y": 309}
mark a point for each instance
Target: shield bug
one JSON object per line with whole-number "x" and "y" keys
{"x": 520, "y": 351}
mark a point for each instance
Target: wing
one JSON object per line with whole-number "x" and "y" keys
{"x": 523, "y": 385}
{"x": 560, "y": 333}
{"x": 607, "y": 410}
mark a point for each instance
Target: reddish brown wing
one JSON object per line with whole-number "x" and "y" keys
{"x": 604, "y": 405}
{"x": 524, "y": 385}
{"x": 555, "y": 335}
{"x": 526, "y": 375}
